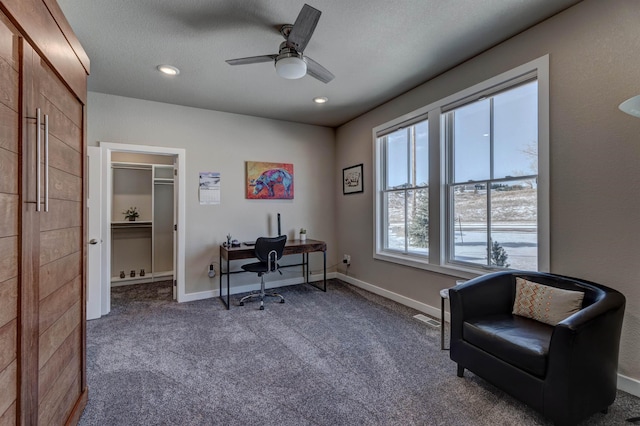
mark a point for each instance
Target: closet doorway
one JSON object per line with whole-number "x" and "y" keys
{"x": 141, "y": 247}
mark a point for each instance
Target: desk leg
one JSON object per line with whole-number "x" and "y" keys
{"x": 324, "y": 260}
{"x": 228, "y": 282}
{"x": 442, "y": 323}
{"x": 226, "y": 303}
{"x": 305, "y": 256}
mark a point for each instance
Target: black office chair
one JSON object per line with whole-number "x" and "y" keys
{"x": 268, "y": 252}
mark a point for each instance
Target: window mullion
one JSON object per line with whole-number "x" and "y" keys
{"x": 489, "y": 236}
{"x": 406, "y": 194}
{"x": 491, "y": 176}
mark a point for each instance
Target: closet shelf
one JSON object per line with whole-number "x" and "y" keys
{"x": 131, "y": 224}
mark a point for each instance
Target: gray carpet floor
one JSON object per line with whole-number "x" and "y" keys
{"x": 344, "y": 357}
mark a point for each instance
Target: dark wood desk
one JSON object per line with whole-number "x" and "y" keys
{"x": 292, "y": 247}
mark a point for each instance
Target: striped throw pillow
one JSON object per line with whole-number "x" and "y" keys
{"x": 546, "y": 304}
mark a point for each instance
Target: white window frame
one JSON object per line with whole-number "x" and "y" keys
{"x": 414, "y": 187}
{"x": 438, "y": 211}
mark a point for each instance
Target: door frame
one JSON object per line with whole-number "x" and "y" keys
{"x": 94, "y": 232}
{"x": 179, "y": 194}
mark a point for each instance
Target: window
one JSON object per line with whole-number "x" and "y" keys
{"x": 462, "y": 184}
{"x": 405, "y": 189}
{"x": 492, "y": 184}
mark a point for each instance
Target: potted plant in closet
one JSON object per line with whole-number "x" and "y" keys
{"x": 131, "y": 214}
{"x": 303, "y": 234}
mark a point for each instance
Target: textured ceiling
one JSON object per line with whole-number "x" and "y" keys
{"x": 377, "y": 49}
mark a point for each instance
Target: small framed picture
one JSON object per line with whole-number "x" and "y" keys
{"x": 352, "y": 179}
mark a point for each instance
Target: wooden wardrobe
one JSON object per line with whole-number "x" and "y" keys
{"x": 42, "y": 216}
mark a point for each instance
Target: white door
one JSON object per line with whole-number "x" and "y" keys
{"x": 94, "y": 237}
{"x": 175, "y": 226}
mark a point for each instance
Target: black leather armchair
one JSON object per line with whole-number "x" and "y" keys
{"x": 567, "y": 372}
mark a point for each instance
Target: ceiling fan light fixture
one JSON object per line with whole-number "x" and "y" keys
{"x": 168, "y": 70}
{"x": 291, "y": 68}
{"x": 321, "y": 99}
{"x": 631, "y": 106}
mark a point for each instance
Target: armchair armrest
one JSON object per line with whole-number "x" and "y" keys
{"x": 583, "y": 355}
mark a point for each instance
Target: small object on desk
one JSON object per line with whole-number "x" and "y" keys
{"x": 142, "y": 272}
{"x": 122, "y": 275}
{"x": 228, "y": 240}
{"x": 444, "y": 294}
{"x": 132, "y": 274}
{"x": 249, "y": 243}
{"x": 235, "y": 243}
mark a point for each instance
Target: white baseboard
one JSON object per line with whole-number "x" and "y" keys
{"x": 200, "y": 295}
{"x": 419, "y": 306}
{"x": 629, "y": 385}
{"x": 314, "y": 278}
{"x": 626, "y": 384}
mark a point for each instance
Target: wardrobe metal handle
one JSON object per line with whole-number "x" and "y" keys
{"x": 46, "y": 162}
{"x": 38, "y": 157}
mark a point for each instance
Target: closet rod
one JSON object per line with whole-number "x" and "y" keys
{"x": 130, "y": 167}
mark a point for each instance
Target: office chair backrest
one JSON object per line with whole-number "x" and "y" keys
{"x": 270, "y": 249}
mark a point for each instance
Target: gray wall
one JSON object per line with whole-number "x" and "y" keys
{"x": 222, "y": 142}
{"x": 595, "y": 157}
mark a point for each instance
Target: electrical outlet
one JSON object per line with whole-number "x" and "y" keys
{"x": 346, "y": 259}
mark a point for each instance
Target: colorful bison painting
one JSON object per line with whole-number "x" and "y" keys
{"x": 269, "y": 181}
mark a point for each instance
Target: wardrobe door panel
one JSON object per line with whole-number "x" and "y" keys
{"x": 8, "y": 262}
{"x": 9, "y": 204}
{"x": 63, "y": 157}
{"x": 8, "y": 366}
{"x": 51, "y": 369}
{"x": 62, "y": 214}
{"x": 53, "y": 337}
{"x": 8, "y": 168}
{"x": 55, "y": 274}
{"x": 9, "y": 219}
{"x": 59, "y": 243}
{"x": 56, "y": 304}
{"x": 8, "y": 381}
{"x": 8, "y": 344}
{"x": 61, "y": 293}
{"x": 9, "y": 296}
{"x": 60, "y": 102}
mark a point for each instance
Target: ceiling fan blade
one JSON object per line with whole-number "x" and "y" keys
{"x": 251, "y": 60}
{"x": 303, "y": 28}
{"x": 317, "y": 71}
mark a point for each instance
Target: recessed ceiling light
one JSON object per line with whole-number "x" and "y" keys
{"x": 168, "y": 69}
{"x": 320, "y": 99}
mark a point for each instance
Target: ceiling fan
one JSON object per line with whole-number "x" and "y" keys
{"x": 290, "y": 62}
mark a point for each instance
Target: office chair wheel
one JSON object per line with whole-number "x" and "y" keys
{"x": 282, "y": 301}
{"x": 262, "y": 308}
{"x": 241, "y": 303}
